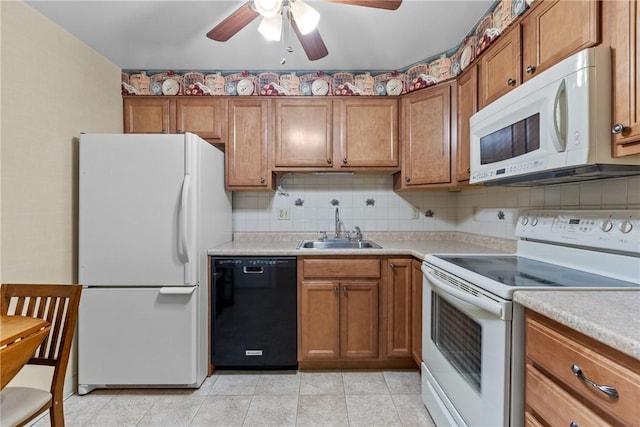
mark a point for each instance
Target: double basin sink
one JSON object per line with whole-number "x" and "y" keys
{"x": 338, "y": 244}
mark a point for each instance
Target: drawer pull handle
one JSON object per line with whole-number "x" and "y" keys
{"x": 608, "y": 390}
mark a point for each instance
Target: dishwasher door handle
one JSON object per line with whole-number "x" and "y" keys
{"x": 253, "y": 270}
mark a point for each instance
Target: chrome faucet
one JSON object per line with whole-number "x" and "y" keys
{"x": 358, "y": 232}
{"x": 337, "y": 223}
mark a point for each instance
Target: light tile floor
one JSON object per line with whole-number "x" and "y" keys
{"x": 264, "y": 398}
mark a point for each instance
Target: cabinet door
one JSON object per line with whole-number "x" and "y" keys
{"x": 146, "y": 115}
{"x": 426, "y": 137}
{"x": 319, "y": 324}
{"x": 621, "y": 30}
{"x": 247, "y": 154}
{"x": 368, "y": 132}
{"x": 554, "y": 30}
{"x": 202, "y": 116}
{"x": 303, "y": 133}
{"x": 359, "y": 319}
{"x": 399, "y": 307}
{"x": 499, "y": 68}
{"x": 416, "y": 312}
{"x": 467, "y": 107}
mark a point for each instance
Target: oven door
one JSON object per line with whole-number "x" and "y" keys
{"x": 466, "y": 351}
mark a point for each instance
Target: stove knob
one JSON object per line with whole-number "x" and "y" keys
{"x": 524, "y": 220}
{"x": 625, "y": 226}
{"x": 606, "y": 225}
{"x": 534, "y": 221}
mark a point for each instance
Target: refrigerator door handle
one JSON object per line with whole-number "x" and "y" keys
{"x": 177, "y": 290}
{"x": 184, "y": 217}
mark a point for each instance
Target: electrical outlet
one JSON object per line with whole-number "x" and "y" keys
{"x": 416, "y": 213}
{"x": 284, "y": 213}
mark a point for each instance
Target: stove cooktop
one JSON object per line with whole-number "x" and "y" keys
{"x": 515, "y": 271}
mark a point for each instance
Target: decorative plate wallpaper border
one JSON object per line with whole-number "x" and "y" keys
{"x": 426, "y": 73}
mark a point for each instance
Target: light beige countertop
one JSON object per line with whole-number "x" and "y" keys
{"x": 400, "y": 243}
{"x": 611, "y": 317}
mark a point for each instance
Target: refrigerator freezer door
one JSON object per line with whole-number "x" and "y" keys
{"x": 137, "y": 213}
{"x": 138, "y": 336}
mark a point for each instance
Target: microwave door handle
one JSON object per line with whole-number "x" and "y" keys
{"x": 461, "y": 298}
{"x": 559, "y": 118}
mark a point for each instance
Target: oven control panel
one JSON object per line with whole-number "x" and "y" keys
{"x": 617, "y": 230}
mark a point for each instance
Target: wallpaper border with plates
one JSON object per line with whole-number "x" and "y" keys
{"x": 445, "y": 66}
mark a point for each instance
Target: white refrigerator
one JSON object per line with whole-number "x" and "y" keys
{"x": 149, "y": 208}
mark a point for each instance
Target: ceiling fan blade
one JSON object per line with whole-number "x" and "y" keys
{"x": 378, "y": 4}
{"x": 233, "y": 23}
{"x": 312, "y": 43}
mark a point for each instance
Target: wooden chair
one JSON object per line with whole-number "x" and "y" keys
{"x": 58, "y": 305}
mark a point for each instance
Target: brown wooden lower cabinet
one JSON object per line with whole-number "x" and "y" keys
{"x": 355, "y": 312}
{"x": 554, "y": 393}
{"x": 416, "y": 312}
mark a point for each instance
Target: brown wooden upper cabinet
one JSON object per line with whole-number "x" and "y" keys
{"x": 551, "y": 31}
{"x": 467, "y": 107}
{"x": 555, "y": 30}
{"x": 303, "y": 133}
{"x": 203, "y": 116}
{"x": 338, "y": 134}
{"x": 247, "y": 154}
{"x": 621, "y": 30}
{"x": 146, "y": 115}
{"x": 426, "y": 138}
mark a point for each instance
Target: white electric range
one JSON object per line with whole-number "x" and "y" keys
{"x": 473, "y": 334}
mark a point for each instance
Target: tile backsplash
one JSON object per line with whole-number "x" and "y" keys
{"x": 307, "y": 203}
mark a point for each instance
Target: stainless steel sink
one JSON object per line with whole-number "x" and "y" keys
{"x": 338, "y": 244}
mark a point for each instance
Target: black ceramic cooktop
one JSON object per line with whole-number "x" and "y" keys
{"x": 518, "y": 271}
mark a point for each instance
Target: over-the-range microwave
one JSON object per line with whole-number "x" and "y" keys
{"x": 554, "y": 128}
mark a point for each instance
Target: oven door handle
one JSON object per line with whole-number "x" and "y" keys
{"x": 460, "y": 297}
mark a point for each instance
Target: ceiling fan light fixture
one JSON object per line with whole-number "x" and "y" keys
{"x": 306, "y": 17}
{"x": 267, "y": 8}
{"x": 271, "y": 28}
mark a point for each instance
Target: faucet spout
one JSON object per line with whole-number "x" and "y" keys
{"x": 337, "y": 218}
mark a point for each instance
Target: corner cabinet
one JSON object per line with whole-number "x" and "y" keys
{"x": 467, "y": 107}
{"x": 325, "y": 134}
{"x": 338, "y": 309}
{"x": 621, "y": 30}
{"x": 203, "y": 116}
{"x": 426, "y": 130}
{"x": 557, "y": 388}
{"x": 247, "y": 154}
{"x": 398, "y": 298}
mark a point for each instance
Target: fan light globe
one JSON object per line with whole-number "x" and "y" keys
{"x": 306, "y": 17}
{"x": 271, "y": 28}
{"x": 267, "y": 8}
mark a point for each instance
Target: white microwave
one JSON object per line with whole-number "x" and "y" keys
{"x": 554, "y": 128}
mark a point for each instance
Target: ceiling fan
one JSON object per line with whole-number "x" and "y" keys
{"x": 303, "y": 19}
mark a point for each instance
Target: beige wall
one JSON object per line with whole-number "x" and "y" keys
{"x": 53, "y": 88}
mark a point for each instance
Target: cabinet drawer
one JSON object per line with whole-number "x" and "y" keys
{"x": 352, "y": 268}
{"x": 556, "y": 352}
{"x": 554, "y": 405}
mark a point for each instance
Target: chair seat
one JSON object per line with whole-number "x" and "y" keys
{"x": 19, "y": 403}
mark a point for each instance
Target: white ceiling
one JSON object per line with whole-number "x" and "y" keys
{"x": 170, "y": 35}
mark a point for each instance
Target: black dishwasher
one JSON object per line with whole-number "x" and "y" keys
{"x": 254, "y": 306}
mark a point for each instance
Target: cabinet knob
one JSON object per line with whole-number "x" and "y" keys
{"x": 328, "y": 160}
{"x": 393, "y": 266}
{"x": 468, "y": 170}
{"x": 180, "y": 131}
{"x": 344, "y": 160}
{"x": 531, "y": 69}
{"x": 618, "y": 128}
{"x": 262, "y": 180}
{"x": 407, "y": 179}
{"x": 573, "y": 424}
{"x": 511, "y": 82}
{"x": 344, "y": 289}
{"x": 335, "y": 289}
